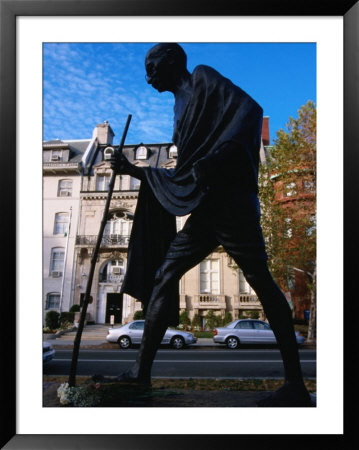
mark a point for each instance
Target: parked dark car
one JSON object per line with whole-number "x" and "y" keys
{"x": 47, "y": 352}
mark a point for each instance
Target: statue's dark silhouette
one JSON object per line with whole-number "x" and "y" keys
{"x": 217, "y": 130}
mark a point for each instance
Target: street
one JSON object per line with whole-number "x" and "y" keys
{"x": 196, "y": 363}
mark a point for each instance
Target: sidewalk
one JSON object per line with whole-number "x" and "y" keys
{"x": 95, "y": 336}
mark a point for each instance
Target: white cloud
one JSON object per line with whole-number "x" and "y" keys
{"x": 86, "y": 84}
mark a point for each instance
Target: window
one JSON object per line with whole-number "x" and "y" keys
{"x": 288, "y": 230}
{"x": 124, "y": 182}
{"x": 261, "y": 326}
{"x": 173, "y": 152}
{"x": 244, "y": 325}
{"x": 244, "y": 287}
{"x": 308, "y": 186}
{"x": 57, "y": 261}
{"x": 141, "y": 152}
{"x": 135, "y": 184}
{"x": 112, "y": 271}
{"x": 56, "y": 155}
{"x": 312, "y": 226}
{"x": 61, "y": 223}
{"x": 209, "y": 276}
{"x": 52, "y": 301}
{"x": 290, "y": 189}
{"x": 118, "y": 226}
{"x": 179, "y": 223}
{"x": 65, "y": 188}
{"x": 102, "y": 182}
{"x": 137, "y": 326}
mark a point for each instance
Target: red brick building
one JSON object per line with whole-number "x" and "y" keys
{"x": 294, "y": 205}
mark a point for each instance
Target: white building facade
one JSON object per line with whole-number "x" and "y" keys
{"x": 75, "y": 184}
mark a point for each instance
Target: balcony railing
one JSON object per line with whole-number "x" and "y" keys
{"x": 204, "y": 301}
{"x": 111, "y": 278}
{"x": 109, "y": 240}
{"x": 246, "y": 300}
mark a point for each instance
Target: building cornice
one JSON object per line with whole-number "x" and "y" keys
{"x": 55, "y": 167}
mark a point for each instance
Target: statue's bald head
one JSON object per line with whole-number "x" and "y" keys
{"x": 171, "y": 50}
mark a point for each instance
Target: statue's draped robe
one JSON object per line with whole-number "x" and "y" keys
{"x": 218, "y": 112}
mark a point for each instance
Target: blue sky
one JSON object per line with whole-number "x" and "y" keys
{"x": 87, "y": 83}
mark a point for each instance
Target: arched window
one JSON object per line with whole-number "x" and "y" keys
{"x": 141, "y": 152}
{"x": 113, "y": 271}
{"x": 173, "y": 152}
{"x": 64, "y": 188}
{"x": 119, "y": 226}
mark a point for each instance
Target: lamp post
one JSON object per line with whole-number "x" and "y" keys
{"x": 65, "y": 259}
{"x": 313, "y": 310}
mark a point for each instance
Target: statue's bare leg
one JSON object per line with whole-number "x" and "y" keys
{"x": 188, "y": 249}
{"x": 276, "y": 308}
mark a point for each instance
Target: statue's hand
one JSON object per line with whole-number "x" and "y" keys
{"x": 120, "y": 164}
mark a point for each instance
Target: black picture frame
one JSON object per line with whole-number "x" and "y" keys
{"x": 9, "y": 10}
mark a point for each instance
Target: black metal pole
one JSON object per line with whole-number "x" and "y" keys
{"x": 77, "y": 341}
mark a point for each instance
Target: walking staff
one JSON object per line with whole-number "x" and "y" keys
{"x": 75, "y": 352}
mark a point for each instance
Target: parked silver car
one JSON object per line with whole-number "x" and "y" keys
{"x": 247, "y": 331}
{"x": 131, "y": 334}
{"x": 47, "y": 352}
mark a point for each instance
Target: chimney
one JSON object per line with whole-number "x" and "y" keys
{"x": 104, "y": 133}
{"x": 265, "y": 131}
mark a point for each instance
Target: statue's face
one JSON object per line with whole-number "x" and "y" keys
{"x": 158, "y": 72}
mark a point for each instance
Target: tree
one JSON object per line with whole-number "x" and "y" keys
{"x": 287, "y": 189}
{"x": 138, "y": 315}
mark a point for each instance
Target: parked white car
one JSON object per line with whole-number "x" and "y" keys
{"x": 131, "y": 334}
{"x": 47, "y": 352}
{"x": 247, "y": 331}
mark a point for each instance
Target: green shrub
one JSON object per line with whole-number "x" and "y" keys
{"x": 196, "y": 322}
{"x": 212, "y": 320}
{"x": 184, "y": 318}
{"x": 139, "y": 315}
{"x": 227, "y": 318}
{"x": 66, "y": 317}
{"x": 52, "y": 320}
{"x": 253, "y": 314}
{"x": 75, "y": 308}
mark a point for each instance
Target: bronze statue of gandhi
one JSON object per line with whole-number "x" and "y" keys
{"x": 217, "y": 130}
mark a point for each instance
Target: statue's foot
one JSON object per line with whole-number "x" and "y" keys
{"x": 125, "y": 377}
{"x": 291, "y": 394}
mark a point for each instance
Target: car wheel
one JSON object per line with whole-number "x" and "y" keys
{"x": 124, "y": 342}
{"x": 177, "y": 342}
{"x": 232, "y": 342}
